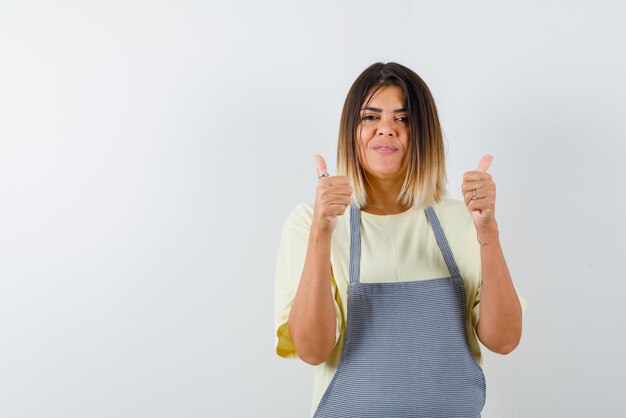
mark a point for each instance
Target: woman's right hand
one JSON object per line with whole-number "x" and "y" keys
{"x": 332, "y": 198}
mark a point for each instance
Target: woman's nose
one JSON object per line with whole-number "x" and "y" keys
{"x": 385, "y": 128}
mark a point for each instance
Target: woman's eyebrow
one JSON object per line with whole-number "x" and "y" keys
{"x": 376, "y": 109}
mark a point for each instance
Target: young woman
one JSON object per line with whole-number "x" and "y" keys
{"x": 390, "y": 298}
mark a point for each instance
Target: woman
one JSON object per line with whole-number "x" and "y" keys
{"x": 385, "y": 298}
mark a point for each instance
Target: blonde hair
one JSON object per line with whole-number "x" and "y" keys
{"x": 425, "y": 180}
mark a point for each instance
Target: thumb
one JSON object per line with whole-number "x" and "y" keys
{"x": 320, "y": 164}
{"x": 484, "y": 163}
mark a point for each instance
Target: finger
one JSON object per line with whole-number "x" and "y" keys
{"x": 342, "y": 190}
{"x": 475, "y": 185}
{"x": 338, "y": 208}
{"x": 467, "y": 196}
{"x": 327, "y": 198}
{"x": 320, "y": 165}
{"x": 484, "y": 163}
{"x": 471, "y": 176}
{"x": 480, "y": 205}
{"x": 338, "y": 180}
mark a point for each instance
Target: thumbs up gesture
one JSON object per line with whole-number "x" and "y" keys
{"x": 332, "y": 197}
{"x": 479, "y": 193}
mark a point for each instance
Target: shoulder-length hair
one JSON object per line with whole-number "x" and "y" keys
{"x": 425, "y": 180}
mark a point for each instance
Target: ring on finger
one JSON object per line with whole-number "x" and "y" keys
{"x": 323, "y": 175}
{"x": 474, "y": 197}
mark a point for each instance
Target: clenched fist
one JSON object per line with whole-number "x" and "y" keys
{"x": 332, "y": 198}
{"x": 479, "y": 193}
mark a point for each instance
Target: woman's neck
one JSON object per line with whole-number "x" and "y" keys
{"x": 382, "y": 197}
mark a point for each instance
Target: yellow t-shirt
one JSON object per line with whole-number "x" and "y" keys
{"x": 394, "y": 248}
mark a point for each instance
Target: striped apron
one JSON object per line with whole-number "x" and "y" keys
{"x": 406, "y": 353}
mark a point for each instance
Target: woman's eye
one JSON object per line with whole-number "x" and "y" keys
{"x": 402, "y": 119}
{"x": 370, "y": 117}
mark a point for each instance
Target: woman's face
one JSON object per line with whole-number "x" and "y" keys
{"x": 383, "y": 135}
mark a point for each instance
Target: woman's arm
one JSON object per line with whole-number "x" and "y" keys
{"x": 499, "y": 326}
{"x": 312, "y": 319}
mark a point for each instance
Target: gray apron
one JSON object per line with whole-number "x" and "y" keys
{"x": 406, "y": 353}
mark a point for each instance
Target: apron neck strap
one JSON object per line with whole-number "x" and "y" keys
{"x": 355, "y": 243}
{"x": 442, "y": 242}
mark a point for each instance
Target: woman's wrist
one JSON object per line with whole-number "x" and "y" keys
{"x": 318, "y": 233}
{"x": 488, "y": 235}
{"x": 487, "y": 241}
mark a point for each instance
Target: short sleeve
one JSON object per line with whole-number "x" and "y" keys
{"x": 290, "y": 262}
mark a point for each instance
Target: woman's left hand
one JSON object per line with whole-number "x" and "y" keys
{"x": 479, "y": 193}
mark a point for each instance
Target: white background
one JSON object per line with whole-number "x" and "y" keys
{"x": 150, "y": 153}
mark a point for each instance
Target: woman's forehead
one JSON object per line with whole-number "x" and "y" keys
{"x": 385, "y": 96}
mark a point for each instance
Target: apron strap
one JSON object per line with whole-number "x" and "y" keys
{"x": 355, "y": 243}
{"x": 442, "y": 241}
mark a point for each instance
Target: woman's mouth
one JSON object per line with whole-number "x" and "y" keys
{"x": 385, "y": 149}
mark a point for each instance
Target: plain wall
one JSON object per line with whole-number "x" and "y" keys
{"x": 151, "y": 151}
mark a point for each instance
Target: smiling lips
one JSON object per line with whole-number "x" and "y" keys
{"x": 385, "y": 149}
